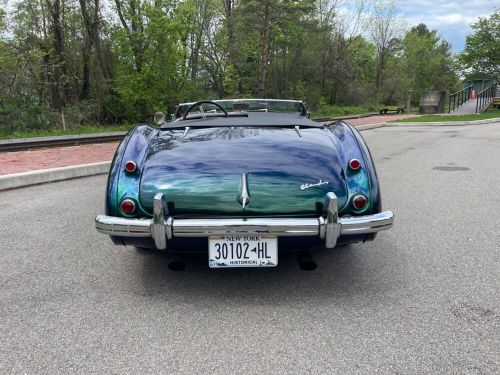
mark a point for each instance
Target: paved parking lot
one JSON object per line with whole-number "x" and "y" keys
{"x": 422, "y": 299}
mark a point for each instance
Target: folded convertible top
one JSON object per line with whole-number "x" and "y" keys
{"x": 252, "y": 119}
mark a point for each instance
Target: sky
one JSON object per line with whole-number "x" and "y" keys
{"x": 451, "y": 19}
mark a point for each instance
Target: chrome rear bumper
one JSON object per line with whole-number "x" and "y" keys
{"x": 162, "y": 227}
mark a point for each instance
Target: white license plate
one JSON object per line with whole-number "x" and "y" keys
{"x": 242, "y": 251}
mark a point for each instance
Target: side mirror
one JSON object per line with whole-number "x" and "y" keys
{"x": 159, "y": 118}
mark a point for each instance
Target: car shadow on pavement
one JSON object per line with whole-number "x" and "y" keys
{"x": 342, "y": 272}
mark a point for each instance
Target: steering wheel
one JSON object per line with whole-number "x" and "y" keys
{"x": 204, "y": 102}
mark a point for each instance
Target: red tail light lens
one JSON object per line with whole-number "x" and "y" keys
{"x": 128, "y": 206}
{"x": 130, "y": 166}
{"x": 359, "y": 202}
{"x": 354, "y": 164}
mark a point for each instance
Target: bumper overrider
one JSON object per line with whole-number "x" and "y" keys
{"x": 163, "y": 227}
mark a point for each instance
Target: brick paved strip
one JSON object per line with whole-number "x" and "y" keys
{"x": 24, "y": 161}
{"x": 376, "y": 119}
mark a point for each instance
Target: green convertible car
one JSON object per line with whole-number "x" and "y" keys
{"x": 242, "y": 181}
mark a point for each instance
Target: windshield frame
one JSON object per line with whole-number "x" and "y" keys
{"x": 254, "y": 105}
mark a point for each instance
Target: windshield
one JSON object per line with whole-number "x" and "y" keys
{"x": 244, "y": 105}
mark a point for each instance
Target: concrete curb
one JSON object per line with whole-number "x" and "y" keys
{"x": 445, "y": 123}
{"x": 41, "y": 176}
{"x": 369, "y": 126}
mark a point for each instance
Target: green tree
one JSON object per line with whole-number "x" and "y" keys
{"x": 362, "y": 64}
{"x": 8, "y": 69}
{"x": 94, "y": 61}
{"x": 428, "y": 62}
{"x": 385, "y": 28}
{"x": 2, "y": 20}
{"x": 481, "y": 55}
{"x": 270, "y": 26}
{"x": 24, "y": 71}
{"x": 92, "y": 46}
{"x": 152, "y": 71}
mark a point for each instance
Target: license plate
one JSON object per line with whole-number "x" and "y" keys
{"x": 242, "y": 251}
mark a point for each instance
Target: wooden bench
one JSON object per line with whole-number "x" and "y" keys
{"x": 391, "y": 108}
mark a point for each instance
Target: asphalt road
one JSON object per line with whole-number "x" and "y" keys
{"x": 424, "y": 298}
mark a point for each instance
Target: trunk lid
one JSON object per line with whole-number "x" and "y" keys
{"x": 201, "y": 172}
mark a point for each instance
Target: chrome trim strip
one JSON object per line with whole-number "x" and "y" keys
{"x": 255, "y": 99}
{"x": 366, "y": 224}
{"x": 244, "y": 196}
{"x": 331, "y": 221}
{"x": 260, "y": 226}
{"x": 158, "y": 222}
{"x": 120, "y": 226}
{"x": 168, "y": 228}
{"x": 322, "y": 227}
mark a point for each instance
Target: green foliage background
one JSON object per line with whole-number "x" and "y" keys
{"x": 67, "y": 63}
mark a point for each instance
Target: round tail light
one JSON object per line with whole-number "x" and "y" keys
{"x": 354, "y": 164}
{"x": 130, "y": 166}
{"x": 359, "y": 202}
{"x": 128, "y": 206}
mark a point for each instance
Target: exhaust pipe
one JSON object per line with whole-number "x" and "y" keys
{"x": 177, "y": 263}
{"x": 306, "y": 261}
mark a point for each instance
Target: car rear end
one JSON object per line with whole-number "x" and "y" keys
{"x": 240, "y": 193}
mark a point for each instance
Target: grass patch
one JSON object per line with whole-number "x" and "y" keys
{"x": 73, "y": 131}
{"x": 494, "y": 113}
